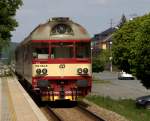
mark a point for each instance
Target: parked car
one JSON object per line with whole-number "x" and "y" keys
{"x": 143, "y": 101}
{"x": 123, "y": 75}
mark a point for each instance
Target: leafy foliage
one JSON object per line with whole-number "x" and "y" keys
{"x": 7, "y": 21}
{"x": 99, "y": 62}
{"x": 131, "y": 48}
{"x": 142, "y": 59}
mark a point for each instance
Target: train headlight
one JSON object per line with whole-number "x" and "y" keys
{"x": 85, "y": 70}
{"x": 79, "y": 70}
{"x": 38, "y": 71}
{"x": 44, "y": 71}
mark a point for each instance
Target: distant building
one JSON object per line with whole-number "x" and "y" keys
{"x": 102, "y": 41}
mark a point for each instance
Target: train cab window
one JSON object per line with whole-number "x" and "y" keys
{"x": 40, "y": 50}
{"x": 83, "y": 50}
{"x": 62, "y": 50}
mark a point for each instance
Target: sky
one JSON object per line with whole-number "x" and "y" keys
{"x": 94, "y": 15}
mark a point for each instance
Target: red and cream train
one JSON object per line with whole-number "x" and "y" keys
{"x": 55, "y": 59}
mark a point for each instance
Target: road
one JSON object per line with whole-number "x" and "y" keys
{"x": 118, "y": 89}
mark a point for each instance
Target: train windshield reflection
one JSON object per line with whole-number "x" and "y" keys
{"x": 62, "y": 50}
{"x": 83, "y": 50}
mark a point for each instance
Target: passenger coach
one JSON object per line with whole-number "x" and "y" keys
{"x": 55, "y": 60}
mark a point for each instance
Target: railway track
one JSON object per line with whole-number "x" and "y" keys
{"x": 78, "y": 113}
{"x": 91, "y": 114}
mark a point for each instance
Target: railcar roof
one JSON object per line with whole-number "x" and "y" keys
{"x": 58, "y": 29}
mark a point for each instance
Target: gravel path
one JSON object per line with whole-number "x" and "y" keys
{"x": 116, "y": 89}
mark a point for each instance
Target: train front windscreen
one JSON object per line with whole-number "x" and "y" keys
{"x": 62, "y": 50}
{"x": 83, "y": 50}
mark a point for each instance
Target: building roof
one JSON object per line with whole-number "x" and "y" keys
{"x": 104, "y": 35}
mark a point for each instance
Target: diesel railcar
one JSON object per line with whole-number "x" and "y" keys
{"x": 55, "y": 60}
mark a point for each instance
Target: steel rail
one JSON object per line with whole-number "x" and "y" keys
{"x": 91, "y": 114}
{"x": 53, "y": 114}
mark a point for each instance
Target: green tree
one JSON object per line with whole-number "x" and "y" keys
{"x": 142, "y": 58}
{"x": 131, "y": 50}
{"x": 7, "y": 21}
{"x": 99, "y": 62}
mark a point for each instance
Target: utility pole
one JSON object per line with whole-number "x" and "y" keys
{"x": 110, "y": 58}
{"x": 111, "y": 22}
{"x": 110, "y": 46}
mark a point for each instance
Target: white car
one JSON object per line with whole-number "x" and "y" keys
{"x": 123, "y": 75}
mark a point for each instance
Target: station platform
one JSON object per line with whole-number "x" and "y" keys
{"x": 16, "y": 104}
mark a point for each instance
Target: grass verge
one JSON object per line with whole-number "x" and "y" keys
{"x": 125, "y": 108}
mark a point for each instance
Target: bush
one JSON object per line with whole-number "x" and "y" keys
{"x": 99, "y": 62}
{"x": 97, "y": 65}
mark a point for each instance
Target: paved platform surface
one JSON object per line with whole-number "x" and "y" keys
{"x": 16, "y": 103}
{"x": 7, "y": 112}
